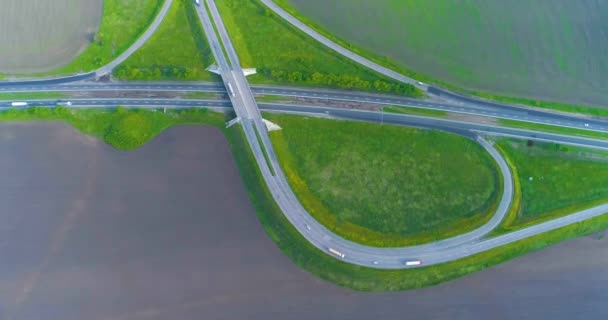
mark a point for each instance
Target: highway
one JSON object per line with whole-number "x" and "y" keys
{"x": 489, "y": 110}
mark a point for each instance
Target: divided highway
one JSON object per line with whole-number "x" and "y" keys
{"x": 489, "y": 110}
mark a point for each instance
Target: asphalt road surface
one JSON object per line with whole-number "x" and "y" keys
{"x": 167, "y": 232}
{"x": 465, "y": 106}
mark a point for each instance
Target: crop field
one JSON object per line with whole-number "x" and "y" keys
{"x": 545, "y": 50}
{"x": 386, "y": 185}
{"x": 555, "y": 179}
{"x": 39, "y": 35}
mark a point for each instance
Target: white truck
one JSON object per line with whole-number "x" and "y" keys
{"x": 411, "y": 263}
{"x": 18, "y": 104}
{"x": 336, "y": 252}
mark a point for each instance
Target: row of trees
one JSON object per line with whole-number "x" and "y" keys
{"x": 343, "y": 81}
{"x": 157, "y": 72}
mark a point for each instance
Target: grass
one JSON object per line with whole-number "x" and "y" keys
{"x": 335, "y": 271}
{"x": 177, "y": 51}
{"x": 124, "y": 129}
{"x": 122, "y": 23}
{"x": 555, "y": 180}
{"x": 284, "y": 55}
{"x": 32, "y": 95}
{"x": 551, "y": 128}
{"x": 416, "y": 111}
{"x": 386, "y": 185}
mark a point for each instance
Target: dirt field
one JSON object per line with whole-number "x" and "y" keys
{"x": 39, "y": 35}
{"x": 550, "y": 50}
{"x": 167, "y": 232}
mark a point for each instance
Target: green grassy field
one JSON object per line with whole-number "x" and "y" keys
{"x": 555, "y": 179}
{"x": 177, "y": 51}
{"x": 542, "y": 51}
{"x": 122, "y": 23}
{"x": 284, "y": 55}
{"x": 386, "y": 185}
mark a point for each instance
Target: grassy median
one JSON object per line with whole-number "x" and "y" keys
{"x": 177, "y": 51}
{"x": 386, "y": 185}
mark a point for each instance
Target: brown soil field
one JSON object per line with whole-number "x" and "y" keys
{"x": 40, "y": 35}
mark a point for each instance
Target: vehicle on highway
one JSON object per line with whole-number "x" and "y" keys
{"x": 198, "y": 2}
{"x": 586, "y": 125}
{"x": 410, "y": 263}
{"x": 336, "y": 252}
{"x": 18, "y": 104}
{"x": 419, "y": 83}
{"x": 308, "y": 227}
{"x": 374, "y": 262}
{"x": 64, "y": 103}
{"x": 231, "y": 90}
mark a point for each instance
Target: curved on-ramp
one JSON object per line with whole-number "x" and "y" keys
{"x": 106, "y": 69}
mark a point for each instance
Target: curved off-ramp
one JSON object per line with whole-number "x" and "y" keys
{"x": 106, "y": 69}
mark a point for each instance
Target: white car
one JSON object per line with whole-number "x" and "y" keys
{"x": 198, "y": 3}
{"x": 586, "y": 125}
{"x": 308, "y": 227}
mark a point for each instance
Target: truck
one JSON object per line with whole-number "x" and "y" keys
{"x": 231, "y": 90}
{"x": 336, "y": 252}
{"x": 64, "y": 103}
{"x": 411, "y": 263}
{"x": 18, "y": 104}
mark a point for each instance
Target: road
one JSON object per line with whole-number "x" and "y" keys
{"x": 490, "y": 110}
